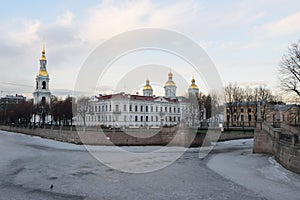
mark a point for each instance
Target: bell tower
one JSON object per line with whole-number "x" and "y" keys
{"x": 170, "y": 87}
{"x": 42, "y": 94}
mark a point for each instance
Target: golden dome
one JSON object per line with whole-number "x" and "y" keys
{"x": 170, "y": 83}
{"x": 170, "y": 74}
{"x": 193, "y": 85}
{"x": 147, "y": 86}
{"x": 43, "y": 73}
{"x": 43, "y": 57}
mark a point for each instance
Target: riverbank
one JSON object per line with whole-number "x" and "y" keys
{"x": 171, "y": 136}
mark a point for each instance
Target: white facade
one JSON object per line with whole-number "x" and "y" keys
{"x": 135, "y": 111}
{"x": 125, "y": 110}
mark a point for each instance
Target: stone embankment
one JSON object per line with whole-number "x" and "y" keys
{"x": 280, "y": 140}
{"x": 171, "y": 136}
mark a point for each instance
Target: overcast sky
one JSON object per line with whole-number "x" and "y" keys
{"x": 244, "y": 38}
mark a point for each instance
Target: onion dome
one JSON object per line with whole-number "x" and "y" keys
{"x": 147, "y": 86}
{"x": 193, "y": 85}
{"x": 170, "y": 82}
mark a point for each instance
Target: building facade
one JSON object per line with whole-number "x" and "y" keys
{"x": 135, "y": 111}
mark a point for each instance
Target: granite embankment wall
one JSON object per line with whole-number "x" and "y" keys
{"x": 171, "y": 136}
{"x": 282, "y": 141}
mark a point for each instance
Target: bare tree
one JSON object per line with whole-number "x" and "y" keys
{"x": 234, "y": 95}
{"x": 290, "y": 70}
{"x": 263, "y": 96}
{"x": 81, "y": 108}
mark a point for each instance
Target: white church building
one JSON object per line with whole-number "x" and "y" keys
{"x": 135, "y": 111}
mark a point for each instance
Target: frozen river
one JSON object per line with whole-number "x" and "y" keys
{"x": 29, "y": 165}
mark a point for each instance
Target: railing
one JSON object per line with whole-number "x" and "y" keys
{"x": 282, "y": 132}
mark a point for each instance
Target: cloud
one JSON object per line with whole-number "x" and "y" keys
{"x": 65, "y": 19}
{"x": 28, "y": 35}
{"x": 110, "y": 18}
{"x": 285, "y": 26}
{"x": 254, "y": 83}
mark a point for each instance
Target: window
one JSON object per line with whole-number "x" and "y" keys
{"x": 156, "y": 109}
{"x": 151, "y": 108}
{"x": 124, "y": 108}
{"x": 179, "y": 119}
{"x": 249, "y": 118}
{"x": 141, "y": 108}
{"x": 117, "y": 107}
{"x": 249, "y": 110}
{"x": 142, "y": 118}
{"x": 105, "y": 107}
{"x": 234, "y": 118}
{"x": 136, "y": 118}
{"x": 146, "y": 118}
{"x": 170, "y": 118}
{"x": 166, "y": 109}
{"x": 136, "y": 108}
{"x": 130, "y": 107}
{"x": 174, "y": 110}
{"x": 146, "y": 108}
{"x": 109, "y": 107}
{"x": 151, "y": 118}
{"x": 44, "y": 85}
{"x": 242, "y": 110}
{"x": 156, "y": 118}
{"x": 178, "y": 109}
{"x": 242, "y": 118}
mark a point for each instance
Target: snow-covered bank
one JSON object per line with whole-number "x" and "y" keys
{"x": 259, "y": 173}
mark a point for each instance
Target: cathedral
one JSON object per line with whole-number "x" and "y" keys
{"x": 134, "y": 111}
{"x": 42, "y": 94}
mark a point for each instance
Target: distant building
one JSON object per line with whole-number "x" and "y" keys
{"x": 247, "y": 113}
{"x": 147, "y": 110}
{"x": 286, "y": 113}
{"x": 242, "y": 113}
{"x": 11, "y": 100}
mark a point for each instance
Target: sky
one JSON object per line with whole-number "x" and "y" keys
{"x": 244, "y": 38}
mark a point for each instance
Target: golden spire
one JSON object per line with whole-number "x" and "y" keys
{"x": 43, "y": 57}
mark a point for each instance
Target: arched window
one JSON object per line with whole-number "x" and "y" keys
{"x": 44, "y": 85}
{"x": 37, "y": 85}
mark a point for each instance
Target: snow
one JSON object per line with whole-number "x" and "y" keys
{"x": 29, "y": 165}
{"x": 257, "y": 172}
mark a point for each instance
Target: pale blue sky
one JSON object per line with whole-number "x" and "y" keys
{"x": 244, "y": 38}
